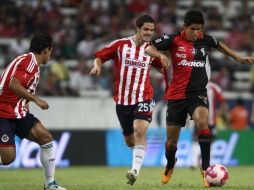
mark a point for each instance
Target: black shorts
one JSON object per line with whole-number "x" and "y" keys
{"x": 127, "y": 114}
{"x": 11, "y": 127}
{"x": 178, "y": 110}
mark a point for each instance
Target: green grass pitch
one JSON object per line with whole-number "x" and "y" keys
{"x": 113, "y": 178}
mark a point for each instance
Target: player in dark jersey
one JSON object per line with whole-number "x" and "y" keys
{"x": 187, "y": 93}
{"x": 18, "y": 84}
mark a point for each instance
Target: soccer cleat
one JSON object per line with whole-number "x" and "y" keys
{"x": 53, "y": 186}
{"x": 131, "y": 175}
{"x": 166, "y": 176}
{"x": 205, "y": 181}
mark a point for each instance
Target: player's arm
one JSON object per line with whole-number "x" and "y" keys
{"x": 229, "y": 52}
{"x": 103, "y": 55}
{"x": 97, "y": 64}
{"x": 153, "y": 52}
{"x": 16, "y": 87}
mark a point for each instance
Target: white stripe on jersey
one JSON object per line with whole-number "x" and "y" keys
{"x": 31, "y": 65}
{"x": 20, "y": 104}
{"x": 15, "y": 63}
{"x": 122, "y": 72}
{"x": 208, "y": 68}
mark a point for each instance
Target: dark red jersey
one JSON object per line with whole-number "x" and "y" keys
{"x": 132, "y": 67}
{"x": 26, "y": 70}
{"x": 190, "y": 64}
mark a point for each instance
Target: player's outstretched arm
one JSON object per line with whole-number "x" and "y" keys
{"x": 229, "y": 52}
{"x": 20, "y": 91}
{"x": 97, "y": 64}
{"x": 153, "y": 52}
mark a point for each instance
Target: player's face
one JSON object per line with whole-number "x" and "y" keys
{"x": 146, "y": 31}
{"x": 192, "y": 31}
{"x": 47, "y": 55}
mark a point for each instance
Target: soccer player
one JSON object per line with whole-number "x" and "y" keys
{"x": 187, "y": 93}
{"x": 133, "y": 92}
{"x": 17, "y": 88}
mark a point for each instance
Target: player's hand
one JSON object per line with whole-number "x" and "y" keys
{"x": 42, "y": 104}
{"x": 96, "y": 70}
{"x": 247, "y": 60}
{"x": 164, "y": 60}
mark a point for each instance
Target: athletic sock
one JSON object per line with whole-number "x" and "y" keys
{"x": 139, "y": 152}
{"x": 170, "y": 154}
{"x": 204, "y": 139}
{"x": 47, "y": 157}
{"x": 0, "y": 161}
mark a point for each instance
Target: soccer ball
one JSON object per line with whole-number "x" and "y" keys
{"x": 217, "y": 175}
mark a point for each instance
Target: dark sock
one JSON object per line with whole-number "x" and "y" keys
{"x": 204, "y": 139}
{"x": 170, "y": 155}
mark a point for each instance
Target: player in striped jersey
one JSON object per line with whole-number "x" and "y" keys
{"x": 17, "y": 88}
{"x": 133, "y": 92}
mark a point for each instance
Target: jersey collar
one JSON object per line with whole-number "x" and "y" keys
{"x": 183, "y": 35}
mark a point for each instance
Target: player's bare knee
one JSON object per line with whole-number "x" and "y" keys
{"x": 171, "y": 144}
{"x": 201, "y": 124}
{"x": 7, "y": 159}
{"x": 140, "y": 133}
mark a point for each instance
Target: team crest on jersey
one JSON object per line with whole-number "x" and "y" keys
{"x": 203, "y": 98}
{"x": 4, "y": 138}
{"x": 158, "y": 40}
{"x": 165, "y": 36}
{"x": 128, "y": 50}
{"x": 194, "y": 51}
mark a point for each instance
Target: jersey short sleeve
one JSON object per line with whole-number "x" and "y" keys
{"x": 108, "y": 52}
{"x": 24, "y": 70}
{"x": 163, "y": 42}
{"x": 212, "y": 42}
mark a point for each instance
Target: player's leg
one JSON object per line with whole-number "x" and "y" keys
{"x": 143, "y": 116}
{"x": 139, "y": 150}
{"x": 200, "y": 117}
{"x": 7, "y": 142}
{"x": 176, "y": 117}
{"x": 173, "y": 132}
{"x": 32, "y": 129}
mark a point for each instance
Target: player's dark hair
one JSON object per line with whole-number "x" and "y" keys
{"x": 39, "y": 42}
{"x": 142, "y": 19}
{"x": 194, "y": 17}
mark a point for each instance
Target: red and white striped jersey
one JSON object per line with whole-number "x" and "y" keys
{"x": 215, "y": 95}
{"x": 26, "y": 70}
{"x": 132, "y": 67}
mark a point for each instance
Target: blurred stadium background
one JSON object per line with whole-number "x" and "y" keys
{"x": 82, "y": 114}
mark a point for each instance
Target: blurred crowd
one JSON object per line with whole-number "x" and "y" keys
{"x": 80, "y": 27}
